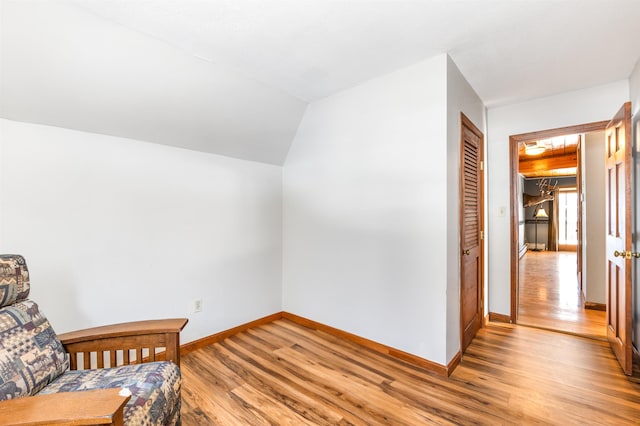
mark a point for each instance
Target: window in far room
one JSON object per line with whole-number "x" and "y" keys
{"x": 568, "y": 218}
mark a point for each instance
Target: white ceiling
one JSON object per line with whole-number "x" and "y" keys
{"x": 234, "y": 76}
{"x": 508, "y": 50}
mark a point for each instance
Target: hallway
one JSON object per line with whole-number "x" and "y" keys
{"x": 550, "y": 298}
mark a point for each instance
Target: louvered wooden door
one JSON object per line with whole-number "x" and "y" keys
{"x": 618, "y": 237}
{"x": 471, "y": 222}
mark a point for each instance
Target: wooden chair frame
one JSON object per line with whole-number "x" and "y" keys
{"x": 112, "y": 345}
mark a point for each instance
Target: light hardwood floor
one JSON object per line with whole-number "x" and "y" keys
{"x": 284, "y": 373}
{"x": 550, "y": 298}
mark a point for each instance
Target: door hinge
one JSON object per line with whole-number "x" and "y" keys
{"x": 481, "y": 165}
{"x": 482, "y": 235}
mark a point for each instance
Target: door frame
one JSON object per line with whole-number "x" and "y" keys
{"x": 579, "y": 189}
{"x": 514, "y": 140}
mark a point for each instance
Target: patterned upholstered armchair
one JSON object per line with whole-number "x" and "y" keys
{"x": 51, "y": 379}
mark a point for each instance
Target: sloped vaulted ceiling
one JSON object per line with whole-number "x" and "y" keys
{"x": 65, "y": 67}
{"x": 233, "y": 77}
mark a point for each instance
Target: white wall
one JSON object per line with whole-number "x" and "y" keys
{"x": 634, "y": 90}
{"x": 365, "y": 231}
{"x": 460, "y": 98}
{"x": 116, "y": 229}
{"x": 572, "y": 108}
{"x": 594, "y": 241}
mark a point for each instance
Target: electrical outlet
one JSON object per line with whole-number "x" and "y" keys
{"x": 197, "y": 305}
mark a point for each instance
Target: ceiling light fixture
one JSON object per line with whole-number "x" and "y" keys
{"x": 534, "y": 148}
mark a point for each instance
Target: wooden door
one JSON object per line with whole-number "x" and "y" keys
{"x": 618, "y": 239}
{"x": 471, "y": 230}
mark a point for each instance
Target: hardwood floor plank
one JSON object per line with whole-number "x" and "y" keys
{"x": 566, "y": 386}
{"x": 284, "y": 373}
{"x": 457, "y": 408}
{"x": 269, "y": 408}
{"x": 364, "y": 356}
{"x": 275, "y": 382}
{"x": 356, "y": 392}
{"x": 340, "y": 361}
{"x": 362, "y": 370}
{"x": 298, "y": 375}
{"x": 372, "y": 369}
{"x": 324, "y": 394}
{"x": 549, "y": 296}
{"x": 316, "y": 377}
{"x": 380, "y": 363}
{"x": 208, "y": 397}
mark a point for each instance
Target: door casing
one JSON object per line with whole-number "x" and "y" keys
{"x": 514, "y": 140}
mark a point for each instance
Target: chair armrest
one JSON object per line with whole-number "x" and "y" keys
{"x": 94, "y": 407}
{"x": 125, "y": 343}
{"x": 173, "y": 325}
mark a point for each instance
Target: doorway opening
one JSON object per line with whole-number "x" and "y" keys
{"x": 548, "y": 222}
